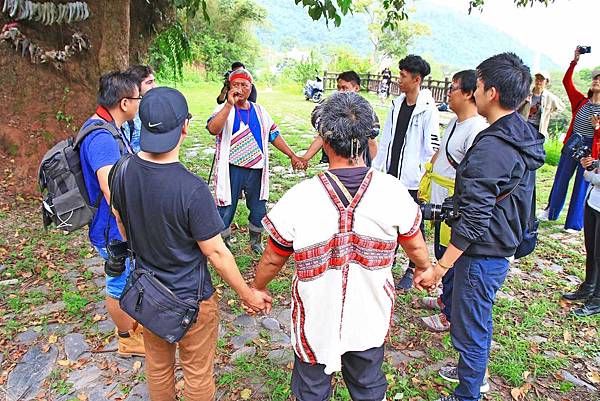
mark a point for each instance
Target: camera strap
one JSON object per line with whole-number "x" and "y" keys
{"x": 115, "y": 172}
{"x": 451, "y": 160}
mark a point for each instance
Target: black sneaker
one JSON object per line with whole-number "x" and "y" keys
{"x": 591, "y": 307}
{"x": 406, "y": 282}
{"x": 450, "y": 373}
{"x": 582, "y": 293}
{"x": 449, "y": 398}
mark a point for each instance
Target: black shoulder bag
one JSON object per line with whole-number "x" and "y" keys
{"x": 145, "y": 298}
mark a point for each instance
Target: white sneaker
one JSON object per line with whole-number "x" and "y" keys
{"x": 571, "y": 231}
{"x": 543, "y": 215}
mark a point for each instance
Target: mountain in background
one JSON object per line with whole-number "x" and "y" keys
{"x": 456, "y": 39}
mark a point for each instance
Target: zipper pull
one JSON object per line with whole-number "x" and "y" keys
{"x": 138, "y": 304}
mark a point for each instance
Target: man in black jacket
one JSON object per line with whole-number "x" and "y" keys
{"x": 494, "y": 191}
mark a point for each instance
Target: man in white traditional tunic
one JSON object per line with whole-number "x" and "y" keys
{"x": 243, "y": 130}
{"x": 342, "y": 227}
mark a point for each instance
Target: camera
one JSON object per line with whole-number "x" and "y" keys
{"x": 117, "y": 254}
{"x": 584, "y": 49}
{"x": 580, "y": 150}
{"x": 445, "y": 212}
{"x": 226, "y": 75}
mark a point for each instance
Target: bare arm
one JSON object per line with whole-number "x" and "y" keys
{"x": 416, "y": 250}
{"x": 269, "y": 266}
{"x": 120, "y": 225}
{"x": 372, "y": 148}
{"x": 314, "y": 147}
{"x": 102, "y": 174}
{"x": 216, "y": 124}
{"x": 282, "y": 145}
{"x": 224, "y": 263}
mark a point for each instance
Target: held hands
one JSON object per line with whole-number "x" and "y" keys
{"x": 299, "y": 163}
{"x": 428, "y": 278}
{"x": 259, "y": 301}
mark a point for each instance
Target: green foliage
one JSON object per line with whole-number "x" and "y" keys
{"x": 553, "y": 148}
{"x": 169, "y": 51}
{"x": 301, "y": 71}
{"x": 227, "y": 36}
{"x": 74, "y": 303}
{"x": 344, "y": 58}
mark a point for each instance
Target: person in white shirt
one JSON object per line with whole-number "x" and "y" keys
{"x": 457, "y": 139}
{"x": 410, "y": 135}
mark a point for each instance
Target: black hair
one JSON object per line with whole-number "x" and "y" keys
{"x": 509, "y": 75}
{"x": 345, "y": 124}
{"x": 468, "y": 82}
{"x": 349, "y": 76}
{"x": 113, "y": 87}
{"x": 237, "y": 64}
{"x": 139, "y": 72}
{"x": 415, "y": 65}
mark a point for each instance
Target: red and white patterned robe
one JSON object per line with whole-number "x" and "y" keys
{"x": 342, "y": 290}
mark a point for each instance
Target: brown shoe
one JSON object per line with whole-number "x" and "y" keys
{"x": 133, "y": 344}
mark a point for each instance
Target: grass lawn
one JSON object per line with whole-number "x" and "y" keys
{"x": 535, "y": 338}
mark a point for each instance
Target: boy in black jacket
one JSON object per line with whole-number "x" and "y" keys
{"x": 494, "y": 191}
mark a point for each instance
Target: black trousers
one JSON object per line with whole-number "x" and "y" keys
{"x": 591, "y": 231}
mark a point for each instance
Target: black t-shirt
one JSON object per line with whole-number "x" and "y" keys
{"x": 400, "y": 135}
{"x": 165, "y": 210}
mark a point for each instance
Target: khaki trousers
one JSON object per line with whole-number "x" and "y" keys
{"x": 196, "y": 355}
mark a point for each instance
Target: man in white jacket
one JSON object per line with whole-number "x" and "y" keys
{"x": 410, "y": 135}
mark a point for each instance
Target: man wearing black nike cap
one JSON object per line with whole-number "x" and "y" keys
{"x": 172, "y": 225}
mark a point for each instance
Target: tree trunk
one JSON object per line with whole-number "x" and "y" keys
{"x": 41, "y": 104}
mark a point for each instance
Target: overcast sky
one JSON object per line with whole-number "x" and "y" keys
{"x": 554, "y": 30}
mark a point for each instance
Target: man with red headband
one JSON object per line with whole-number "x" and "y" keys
{"x": 242, "y": 129}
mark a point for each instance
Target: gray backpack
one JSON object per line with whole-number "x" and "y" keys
{"x": 65, "y": 198}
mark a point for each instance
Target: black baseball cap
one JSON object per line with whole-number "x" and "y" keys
{"x": 163, "y": 112}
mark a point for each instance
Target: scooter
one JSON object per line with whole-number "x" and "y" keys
{"x": 313, "y": 90}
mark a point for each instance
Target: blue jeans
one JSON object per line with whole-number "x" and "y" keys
{"x": 566, "y": 167}
{"x": 476, "y": 281}
{"x": 247, "y": 180}
{"x": 114, "y": 285}
{"x": 448, "y": 279}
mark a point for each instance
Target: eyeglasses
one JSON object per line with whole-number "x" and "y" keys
{"x": 452, "y": 89}
{"x": 189, "y": 117}
{"x": 133, "y": 98}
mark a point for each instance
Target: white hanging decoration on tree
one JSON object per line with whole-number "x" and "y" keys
{"x": 47, "y": 13}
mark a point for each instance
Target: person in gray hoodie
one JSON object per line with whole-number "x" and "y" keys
{"x": 494, "y": 190}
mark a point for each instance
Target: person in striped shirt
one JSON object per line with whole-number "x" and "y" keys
{"x": 586, "y": 122}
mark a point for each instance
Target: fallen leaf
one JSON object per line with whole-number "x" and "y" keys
{"x": 567, "y": 336}
{"x": 136, "y": 366}
{"x": 97, "y": 317}
{"x": 63, "y": 362}
{"x": 593, "y": 377}
{"x": 231, "y": 302}
{"x": 52, "y": 339}
{"x": 245, "y": 394}
{"x": 82, "y": 397}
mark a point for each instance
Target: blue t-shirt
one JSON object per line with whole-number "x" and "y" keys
{"x": 99, "y": 149}
{"x": 250, "y": 118}
{"x": 133, "y": 137}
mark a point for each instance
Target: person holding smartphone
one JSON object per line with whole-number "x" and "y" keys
{"x": 586, "y": 121}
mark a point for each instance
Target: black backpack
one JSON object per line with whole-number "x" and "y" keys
{"x": 65, "y": 198}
